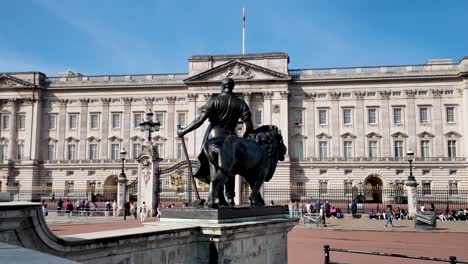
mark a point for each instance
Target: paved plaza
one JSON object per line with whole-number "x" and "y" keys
{"x": 306, "y": 242}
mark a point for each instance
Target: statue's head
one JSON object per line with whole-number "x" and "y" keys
{"x": 227, "y": 85}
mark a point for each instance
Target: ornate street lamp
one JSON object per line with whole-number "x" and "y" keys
{"x": 410, "y": 156}
{"x": 123, "y": 155}
{"x": 149, "y": 126}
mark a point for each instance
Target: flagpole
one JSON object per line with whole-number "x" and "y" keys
{"x": 243, "y": 30}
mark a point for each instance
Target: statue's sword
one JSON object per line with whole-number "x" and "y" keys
{"x": 199, "y": 201}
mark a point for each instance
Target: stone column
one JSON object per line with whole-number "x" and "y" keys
{"x": 61, "y": 126}
{"x": 121, "y": 194}
{"x": 36, "y": 128}
{"x": 360, "y": 125}
{"x": 192, "y": 113}
{"x": 171, "y": 127}
{"x": 335, "y": 124}
{"x": 437, "y": 116}
{"x": 267, "y": 107}
{"x": 83, "y": 128}
{"x": 284, "y": 119}
{"x": 104, "y": 148}
{"x": 385, "y": 123}
{"x": 12, "y": 145}
{"x": 411, "y": 188}
{"x": 309, "y": 124}
{"x": 127, "y": 124}
{"x": 148, "y": 178}
{"x": 411, "y": 120}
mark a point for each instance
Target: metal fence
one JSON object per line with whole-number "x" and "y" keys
{"x": 377, "y": 199}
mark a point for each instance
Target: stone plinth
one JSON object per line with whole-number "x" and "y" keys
{"x": 258, "y": 240}
{"x": 425, "y": 221}
{"x": 239, "y": 234}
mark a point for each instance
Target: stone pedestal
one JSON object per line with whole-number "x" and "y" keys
{"x": 411, "y": 188}
{"x": 121, "y": 194}
{"x": 238, "y": 190}
{"x": 148, "y": 174}
{"x": 239, "y": 234}
{"x": 425, "y": 221}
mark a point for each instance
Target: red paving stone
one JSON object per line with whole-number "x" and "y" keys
{"x": 305, "y": 246}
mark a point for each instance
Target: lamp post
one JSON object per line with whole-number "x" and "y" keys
{"x": 410, "y": 156}
{"x": 149, "y": 125}
{"x": 122, "y": 187}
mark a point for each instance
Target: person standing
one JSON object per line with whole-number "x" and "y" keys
{"x": 59, "y": 206}
{"x": 389, "y": 215}
{"x": 114, "y": 209}
{"x": 143, "y": 212}
{"x": 290, "y": 208}
{"x": 322, "y": 215}
{"x": 354, "y": 208}
{"x": 126, "y": 210}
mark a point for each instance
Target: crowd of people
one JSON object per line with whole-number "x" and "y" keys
{"x": 298, "y": 208}
{"x": 398, "y": 214}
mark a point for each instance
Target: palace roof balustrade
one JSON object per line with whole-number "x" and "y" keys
{"x": 379, "y": 159}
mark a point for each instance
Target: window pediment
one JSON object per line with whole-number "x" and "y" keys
{"x": 93, "y": 138}
{"x": 159, "y": 138}
{"x": 348, "y": 135}
{"x": 452, "y": 134}
{"x": 323, "y": 135}
{"x": 3, "y": 140}
{"x": 425, "y": 134}
{"x": 115, "y": 138}
{"x": 51, "y": 139}
{"x": 137, "y": 138}
{"x": 373, "y": 135}
{"x": 399, "y": 135}
{"x": 71, "y": 139}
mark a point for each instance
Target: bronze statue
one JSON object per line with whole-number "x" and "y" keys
{"x": 224, "y": 154}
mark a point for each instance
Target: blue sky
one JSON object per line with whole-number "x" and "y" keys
{"x": 124, "y": 37}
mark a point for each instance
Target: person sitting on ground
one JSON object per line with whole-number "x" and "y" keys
{"x": 338, "y": 213}
{"x": 397, "y": 213}
{"x": 442, "y": 217}
{"x": 422, "y": 208}
{"x": 402, "y": 214}
{"x": 272, "y": 202}
{"x": 333, "y": 212}
{"x": 372, "y": 215}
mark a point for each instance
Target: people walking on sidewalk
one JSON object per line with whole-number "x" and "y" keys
{"x": 143, "y": 212}
{"x": 389, "y": 215}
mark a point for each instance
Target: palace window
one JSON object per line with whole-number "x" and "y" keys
{"x": 160, "y": 148}
{"x": 94, "y": 121}
{"x": 52, "y": 121}
{"x": 258, "y": 117}
{"x": 51, "y": 152}
{"x": 372, "y": 116}
{"x": 323, "y": 149}
{"x": 426, "y": 188}
{"x": 452, "y": 148}
{"x": 425, "y": 151}
{"x": 93, "y": 147}
{"x": 3, "y": 151}
{"x": 297, "y": 151}
{"x": 181, "y": 119}
{"x": 347, "y": 149}
{"x": 72, "y": 121}
{"x": 453, "y": 188}
{"x": 21, "y": 121}
{"x": 424, "y": 115}
{"x": 322, "y": 116}
{"x": 137, "y": 119}
{"x": 397, "y": 115}
{"x": 398, "y": 148}
{"x": 136, "y": 149}
{"x": 180, "y": 151}
{"x": 160, "y": 118}
{"x": 347, "y": 116}
{"x": 20, "y": 151}
{"x": 71, "y": 151}
{"x": 372, "y": 149}
{"x": 5, "y": 121}
{"x": 115, "y": 151}
{"x": 323, "y": 186}
{"x": 115, "y": 120}
{"x": 450, "y": 114}
{"x": 297, "y": 117}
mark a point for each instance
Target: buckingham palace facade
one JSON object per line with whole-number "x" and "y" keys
{"x": 342, "y": 126}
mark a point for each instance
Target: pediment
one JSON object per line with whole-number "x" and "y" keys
{"x": 159, "y": 138}
{"x": 239, "y": 71}
{"x": 425, "y": 134}
{"x": 323, "y": 135}
{"x": 137, "y": 138}
{"x": 70, "y": 139}
{"x": 115, "y": 138}
{"x": 7, "y": 81}
{"x": 452, "y": 134}
{"x": 51, "y": 139}
{"x": 373, "y": 134}
{"x": 93, "y": 138}
{"x": 348, "y": 135}
{"x": 399, "y": 135}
